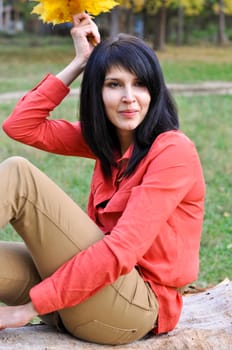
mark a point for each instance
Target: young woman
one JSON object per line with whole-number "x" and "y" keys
{"x": 114, "y": 275}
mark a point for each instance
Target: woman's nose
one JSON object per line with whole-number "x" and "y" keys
{"x": 128, "y": 95}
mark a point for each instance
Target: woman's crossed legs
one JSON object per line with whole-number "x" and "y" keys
{"x": 54, "y": 229}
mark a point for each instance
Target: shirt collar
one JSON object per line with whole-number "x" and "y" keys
{"x": 126, "y": 155}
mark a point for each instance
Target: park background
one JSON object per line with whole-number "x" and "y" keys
{"x": 193, "y": 40}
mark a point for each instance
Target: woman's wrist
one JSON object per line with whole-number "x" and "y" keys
{"x": 71, "y": 71}
{"x": 30, "y": 309}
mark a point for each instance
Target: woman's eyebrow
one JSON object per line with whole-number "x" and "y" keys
{"x": 111, "y": 78}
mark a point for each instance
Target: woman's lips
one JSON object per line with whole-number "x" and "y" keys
{"x": 129, "y": 113}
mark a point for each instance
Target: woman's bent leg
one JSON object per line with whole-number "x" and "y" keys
{"x": 17, "y": 273}
{"x": 54, "y": 229}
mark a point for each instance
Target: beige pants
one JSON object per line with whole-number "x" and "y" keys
{"x": 54, "y": 229}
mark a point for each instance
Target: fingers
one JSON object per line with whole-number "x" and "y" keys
{"x": 78, "y": 18}
{"x": 96, "y": 34}
{"x": 83, "y": 25}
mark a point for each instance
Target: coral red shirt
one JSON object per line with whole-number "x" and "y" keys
{"x": 154, "y": 217}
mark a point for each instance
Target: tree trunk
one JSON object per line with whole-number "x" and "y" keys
{"x": 1, "y": 15}
{"x": 130, "y": 21}
{"x": 161, "y": 39}
{"x": 114, "y": 26}
{"x": 180, "y": 26}
{"x": 221, "y": 24}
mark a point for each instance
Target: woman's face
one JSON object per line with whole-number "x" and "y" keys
{"x": 126, "y": 102}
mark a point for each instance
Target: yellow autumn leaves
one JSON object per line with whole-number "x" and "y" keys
{"x": 60, "y": 11}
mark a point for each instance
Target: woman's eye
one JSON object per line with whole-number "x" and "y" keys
{"x": 113, "y": 84}
{"x": 139, "y": 83}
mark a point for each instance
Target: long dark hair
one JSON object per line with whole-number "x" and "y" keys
{"x": 134, "y": 55}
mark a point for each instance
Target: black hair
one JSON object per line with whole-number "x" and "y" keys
{"x": 134, "y": 55}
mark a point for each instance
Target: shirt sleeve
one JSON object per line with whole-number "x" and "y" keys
{"x": 170, "y": 175}
{"x": 29, "y": 122}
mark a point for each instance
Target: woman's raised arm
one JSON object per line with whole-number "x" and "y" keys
{"x": 85, "y": 36}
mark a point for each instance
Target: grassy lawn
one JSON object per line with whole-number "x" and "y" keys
{"x": 196, "y": 64}
{"x": 25, "y": 60}
{"x": 206, "y": 119}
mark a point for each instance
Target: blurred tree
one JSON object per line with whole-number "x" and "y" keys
{"x": 11, "y": 16}
{"x": 132, "y": 7}
{"x": 160, "y": 7}
{"x": 221, "y": 8}
{"x": 157, "y": 20}
{"x": 188, "y": 8}
{"x": 114, "y": 25}
{"x": 135, "y": 5}
{"x": 1, "y": 15}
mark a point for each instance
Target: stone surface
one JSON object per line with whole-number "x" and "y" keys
{"x": 205, "y": 324}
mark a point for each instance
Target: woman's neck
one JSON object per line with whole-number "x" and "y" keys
{"x": 125, "y": 140}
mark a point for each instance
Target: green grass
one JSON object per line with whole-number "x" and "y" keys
{"x": 194, "y": 72}
{"x": 196, "y": 64}
{"x": 205, "y": 119}
{"x": 24, "y": 60}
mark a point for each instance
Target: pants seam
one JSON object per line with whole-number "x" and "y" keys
{"x": 51, "y": 220}
{"x": 130, "y": 302}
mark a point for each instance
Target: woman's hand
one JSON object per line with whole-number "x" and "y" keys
{"x": 85, "y": 36}
{"x": 16, "y": 316}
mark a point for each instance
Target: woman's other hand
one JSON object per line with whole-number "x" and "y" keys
{"x": 16, "y": 316}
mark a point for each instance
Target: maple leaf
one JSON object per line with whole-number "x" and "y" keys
{"x": 60, "y": 11}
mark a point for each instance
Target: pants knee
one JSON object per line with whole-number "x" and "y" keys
{"x": 16, "y": 160}
{"x": 16, "y": 163}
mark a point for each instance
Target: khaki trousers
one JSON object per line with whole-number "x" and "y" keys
{"x": 54, "y": 229}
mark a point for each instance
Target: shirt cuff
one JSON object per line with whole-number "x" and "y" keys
{"x": 53, "y": 88}
{"x": 42, "y": 295}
